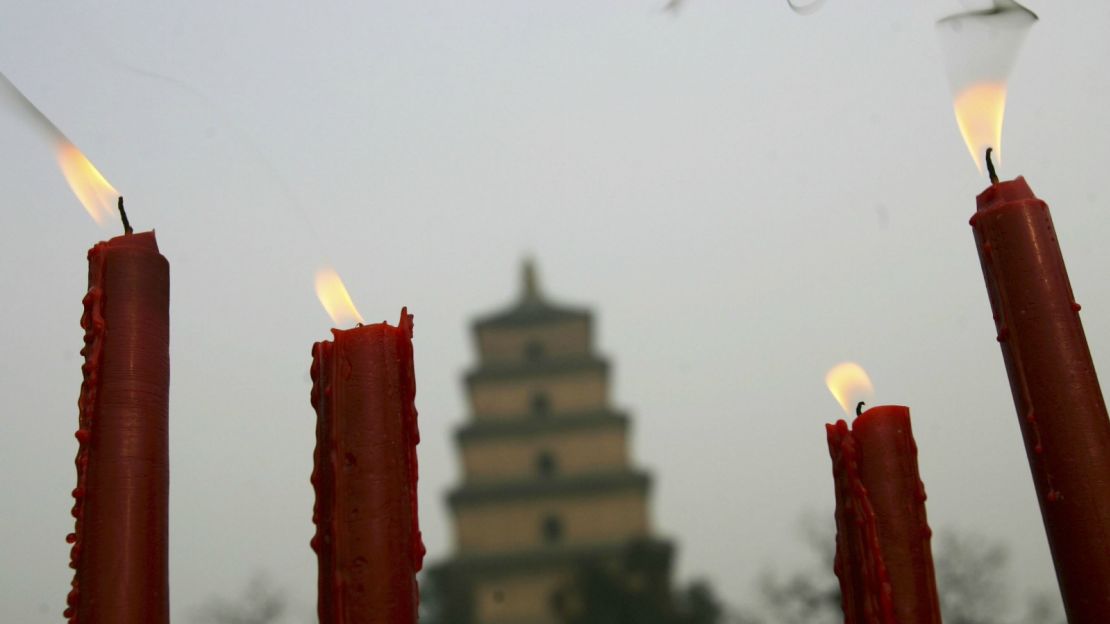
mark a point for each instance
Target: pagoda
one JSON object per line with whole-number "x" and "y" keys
{"x": 547, "y": 483}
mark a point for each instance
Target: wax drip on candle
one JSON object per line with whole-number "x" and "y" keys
{"x": 990, "y": 167}
{"x": 92, "y": 321}
{"x": 123, "y": 216}
{"x": 859, "y": 563}
{"x": 999, "y": 299}
{"x": 412, "y": 431}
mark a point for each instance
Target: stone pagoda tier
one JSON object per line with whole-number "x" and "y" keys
{"x": 547, "y": 481}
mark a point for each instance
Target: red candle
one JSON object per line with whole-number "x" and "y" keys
{"x": 367, "y": 537}
{"x": 120, "y": 551}
{"x": 1059, "y": 404}
{"x": 883, "y": 558}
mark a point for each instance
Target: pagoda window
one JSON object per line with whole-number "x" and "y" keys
{"x": 541, "y": 404}
{"x": 546, "y": 464}
{"x": 533, "y": 351}
{"x": 552, "y": 529}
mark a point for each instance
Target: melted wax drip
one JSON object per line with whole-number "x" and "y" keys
{"x": 857, "y": 539}
{"x": 92, "y": 321}
{"x": 323, "y": 481}
{"x": 327, "y": 465}
{"x": 1004, "y": 336}
{"x": 412, "y": 431}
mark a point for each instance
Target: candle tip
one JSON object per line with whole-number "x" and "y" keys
{"x": 859, "y": 408}
{"x": 123, "y": 216}
{"x": 990, "y": 167}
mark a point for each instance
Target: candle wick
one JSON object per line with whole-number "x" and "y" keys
{"x": 859, "y": 408}
{"x": 123, "y": 215}
{"x": 990, "y": 167}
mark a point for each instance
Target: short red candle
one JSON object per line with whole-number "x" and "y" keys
{"x": 1052, "y": 378}
{"x": 367, "y": 539}
{"x": 121, "y": 506}
{"x": 883, "y": 557}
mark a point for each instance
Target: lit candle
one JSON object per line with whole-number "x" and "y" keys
{"x": 367, "y": 539}
{"x": 1059, "y": 404}
{"x": 883, "y": 557}
{"x": 119, "y": 549}
{"x": 121, "y": 508}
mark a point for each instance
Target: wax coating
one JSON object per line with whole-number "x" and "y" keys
{"x": 121, "y": 503}
{"x": 367, "y": 539}
{"x": 883, "y": 556}
{"x": 1059, "y": 404}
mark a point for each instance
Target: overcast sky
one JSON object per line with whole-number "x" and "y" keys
{"x": 745, "y": 196}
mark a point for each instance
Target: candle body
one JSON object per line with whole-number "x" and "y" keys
{"x": 367, "y": 539}
{"x": 1059, "y": 404}
{"x": 883, "y": 557}
{"x": 121, "y": 508}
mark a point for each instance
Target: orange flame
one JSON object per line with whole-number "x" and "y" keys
{"x": 979, "y": 111}
{"x": 95, "y": 193}
{"x": 980, "y": 47}
{"x": 333, "y": 296}
{"x": 849, "y": 384}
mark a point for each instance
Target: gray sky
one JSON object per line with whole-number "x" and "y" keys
{"x": 745, "y": 196}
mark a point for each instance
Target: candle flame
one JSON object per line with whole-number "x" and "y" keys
{"x": 95, "y": 193}
{"x": 90, "y": 187}
{"x": 979, "y": 112}
{"x": 980, "y": 48}
{"x": 849, "y": 384}
{"x": 335, "y": 299}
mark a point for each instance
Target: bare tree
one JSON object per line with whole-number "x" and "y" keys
{"x": 969, "y": 583}
{"x": 634, "y": 588}
{"x": 972, "y": 583}
{"x": 810, "y": 595}
{"x": 261, "y": 603}
{"x": 1044, "y": 608}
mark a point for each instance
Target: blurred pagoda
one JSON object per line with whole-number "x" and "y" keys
{"x": 549, "y": 496}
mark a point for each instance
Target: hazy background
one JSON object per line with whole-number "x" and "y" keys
{"x": 744, "y": 195}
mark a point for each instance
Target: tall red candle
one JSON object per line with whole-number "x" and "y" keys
{"x": 120, "y": 552}
{"x": 367, "y": 539}
{"x": 1059, "y": 404}
{"x": 883, "y": 557}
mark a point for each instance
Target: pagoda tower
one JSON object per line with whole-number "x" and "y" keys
{"x": 547, "y": 481}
